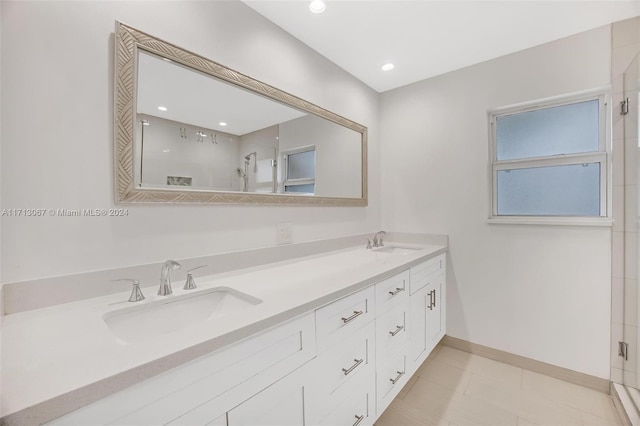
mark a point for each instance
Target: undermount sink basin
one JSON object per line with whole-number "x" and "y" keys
{"x": 394, "y": 249}
{"x": 135, "y": 323}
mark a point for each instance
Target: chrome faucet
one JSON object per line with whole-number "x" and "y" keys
{"x": 165, "y": 277}
{"x": 377, "y": 242}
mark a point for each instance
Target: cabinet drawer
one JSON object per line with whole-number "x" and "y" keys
{"x": 423, "y": 273}
{"x": 343, "y": 317}
{"x": 330, "y": 386}
{"x": 206, "y": 387}
{"x": 390, "y": 378}
{"x": 392, "y": 291}
{"x": 391, "y": 332}
{"x": 348, "y": 359}
{"x": 356, "y": 408}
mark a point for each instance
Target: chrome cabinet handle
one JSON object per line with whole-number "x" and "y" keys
{"x": 434, "y": 298}
{"x": 399, "y": 328}
{"x": 430, "y": 301}
{"x": 346, "y": 371}
{"x": 359, "y": 420}
{"x": 355, "y": 315}
{"x": 400, "y": 374}
{"x": 396, "y": 291}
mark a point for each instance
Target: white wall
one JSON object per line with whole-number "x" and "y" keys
{"x": 538, "y": 291}
{"x": 57, "y": 134}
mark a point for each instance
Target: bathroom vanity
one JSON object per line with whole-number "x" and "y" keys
{"x": 325, "y": 339}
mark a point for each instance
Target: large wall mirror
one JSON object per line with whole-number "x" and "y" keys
{"x": 189, "y": 130}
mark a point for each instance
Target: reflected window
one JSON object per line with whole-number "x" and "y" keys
{"x": 300, "y": 170}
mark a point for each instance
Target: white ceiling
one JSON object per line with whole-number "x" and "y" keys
{"x": 203, "y": 101}
{"x": 426, "y": 38}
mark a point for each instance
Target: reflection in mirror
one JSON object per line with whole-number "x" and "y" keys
{"x": 195, "y": 132}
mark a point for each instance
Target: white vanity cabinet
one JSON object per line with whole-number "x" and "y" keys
{"x": 427, "y": 309}
{"x": 342, "y": 364}
{"x": 203, "y": 390}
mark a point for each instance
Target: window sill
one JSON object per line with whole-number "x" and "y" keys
{"x": 563, "y": 221}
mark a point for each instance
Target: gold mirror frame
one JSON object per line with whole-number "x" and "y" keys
{"x": 128, "y": 41}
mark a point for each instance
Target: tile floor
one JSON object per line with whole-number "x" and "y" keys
{"x": 457, "y": 388}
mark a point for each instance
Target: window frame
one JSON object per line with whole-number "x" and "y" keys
{"x": 602, "y": 156}
{"x": 297, "y": 182}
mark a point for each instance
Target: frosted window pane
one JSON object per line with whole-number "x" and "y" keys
{"x": 566, "y": 129}
{"x": 572, "y": 190}
{"x": 301, "y": 165}
{"x": 307, "y": 188}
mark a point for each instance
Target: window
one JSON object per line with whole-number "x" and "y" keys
{"x": 300, "y": 170}
{"x": 550, "y": 160}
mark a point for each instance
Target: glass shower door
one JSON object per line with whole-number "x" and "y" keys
{"x": 628, "y": 349}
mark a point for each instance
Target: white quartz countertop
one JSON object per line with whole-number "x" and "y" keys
{"x": 58, "y": 358}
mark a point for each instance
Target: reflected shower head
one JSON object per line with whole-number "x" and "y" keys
{"x": 247, "y": 159}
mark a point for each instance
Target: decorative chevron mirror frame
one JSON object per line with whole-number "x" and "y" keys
{"x": 128, "y": 43}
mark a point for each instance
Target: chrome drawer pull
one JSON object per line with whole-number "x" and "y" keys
{"x": 400, "y": 374}
{"x": 359, "y": 420}
{"x": 434, "y": 298}
{"x": 430, "y": 301}
{"x": 355, "y": 315}
{"x": 353, "y": 367}
{"x": 396, "y": 291}
{"x": 399, "y": 328}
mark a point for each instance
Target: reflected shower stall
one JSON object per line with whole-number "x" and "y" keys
{"x": 244, "y": 173}
{"x": 257, "y": 172}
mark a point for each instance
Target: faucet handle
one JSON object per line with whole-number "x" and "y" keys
{"x": 369, "y": 244}
{"x": 136, "y": 293}
{"x": 190, "y": 284}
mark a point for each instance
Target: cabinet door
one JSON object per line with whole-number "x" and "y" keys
{"x": 418, "y": 308}
{"x": 281, "y": 404}
{"x": 435, "y": 312}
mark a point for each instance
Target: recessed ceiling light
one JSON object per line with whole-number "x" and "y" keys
{"x": 317, "y": 6}
{"x": 222, "y": 123}
{"x": 166, "y": 150}
{"x": 388, "y": 67}
{"x": 161, "y": 108}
